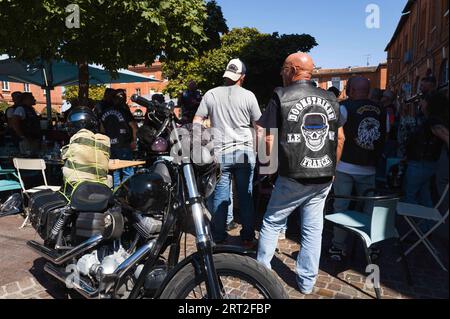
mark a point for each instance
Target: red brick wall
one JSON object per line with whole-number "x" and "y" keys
{"x": 38, "y": 93}
{"x": 425, "y": 33}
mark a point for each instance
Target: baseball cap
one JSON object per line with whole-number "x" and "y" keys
{"x": 235, "y": 69}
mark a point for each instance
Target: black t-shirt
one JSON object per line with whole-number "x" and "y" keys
{"x": 271, "y": 119}
{"x": 116, "y": 121}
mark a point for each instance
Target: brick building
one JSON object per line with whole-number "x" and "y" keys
{"x": 41, "y": 100}
{"x": 145, "y": 88}
{"x": 325, "y": 78}
{"x": 419, "y": 46}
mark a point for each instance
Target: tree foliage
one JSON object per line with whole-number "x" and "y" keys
{"x": 96, "y": 92}
{"x": 3, "y": 106}
{"x": 215, "y": 25}
{"x": 262, "y": 53}
{"x": 113, "y": 33}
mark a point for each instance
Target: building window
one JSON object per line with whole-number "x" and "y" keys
{"x": 26, "y": 87}
{"x": 418, "y": 84}
{"x": 443, "y": 73}
{"x": 336, "y": 82}
{"x": 423, "y": 25}
{"x": 5, "y": 86}
{"x": 316, "y": 81}
{"x": 138, "y": 91}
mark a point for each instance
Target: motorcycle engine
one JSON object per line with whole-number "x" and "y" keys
{"x": 103, "y": 261}
{"x": 147, "y": 225}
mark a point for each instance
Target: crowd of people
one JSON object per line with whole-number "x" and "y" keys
{"x": 323, "y": 145}
{"x": 320, "y": 144}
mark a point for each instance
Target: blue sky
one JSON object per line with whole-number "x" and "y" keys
{"x": 339, "y": 26}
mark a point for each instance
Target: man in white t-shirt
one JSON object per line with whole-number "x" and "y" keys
{"x": 364, "y": 124}
{"x": 233, "y": 111}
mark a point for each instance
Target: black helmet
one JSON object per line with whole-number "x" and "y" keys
{"x": 81, "y": 117}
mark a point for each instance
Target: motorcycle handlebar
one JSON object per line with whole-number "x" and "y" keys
{"x": 164, "y": 108}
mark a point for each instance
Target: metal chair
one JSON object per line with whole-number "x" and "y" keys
{"x": 32, "y": 165}
{"x": 415, "y": 215}
{"x": 377, "y": 224}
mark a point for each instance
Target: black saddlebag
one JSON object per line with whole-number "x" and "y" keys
{"x": 44, "y": 210}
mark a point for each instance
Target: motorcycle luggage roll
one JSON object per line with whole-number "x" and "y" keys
{"x": 43, "y": 204}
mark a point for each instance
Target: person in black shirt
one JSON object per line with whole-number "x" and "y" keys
{"x": 423, "y": 149}
{"x": 26, "y": 125}
{"x": 106, "y": 102}
{"x": 118, "y": 124}
{"x": 189, "y": 102}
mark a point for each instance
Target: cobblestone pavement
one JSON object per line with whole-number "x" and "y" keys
{"x": 22, "y": 275}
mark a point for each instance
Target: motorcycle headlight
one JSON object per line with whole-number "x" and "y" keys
{"x": 208, "y": 180}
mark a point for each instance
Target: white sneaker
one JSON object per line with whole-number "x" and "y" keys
{"x": 282, "y": 236}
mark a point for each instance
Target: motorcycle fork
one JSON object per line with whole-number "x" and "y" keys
{"x": 203, "y": 240}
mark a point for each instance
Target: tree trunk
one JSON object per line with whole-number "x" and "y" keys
{"x": 83, "y": 88}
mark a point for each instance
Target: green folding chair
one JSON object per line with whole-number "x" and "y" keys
{"x": 375, "y": 225}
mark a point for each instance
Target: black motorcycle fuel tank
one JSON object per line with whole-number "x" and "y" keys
{"x": 146, "y": 191}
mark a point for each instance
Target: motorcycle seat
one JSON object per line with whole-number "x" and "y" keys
{"x": 91, "y": 197}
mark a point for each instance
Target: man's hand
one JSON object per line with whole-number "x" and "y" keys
{"x": 133, "y": 146}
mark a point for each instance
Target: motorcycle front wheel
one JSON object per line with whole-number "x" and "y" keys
{"x": 241, "y": 277}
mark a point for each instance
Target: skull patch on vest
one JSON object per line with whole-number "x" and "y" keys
{"x": 368, "y": 133}
{"x": 315, "y": 130}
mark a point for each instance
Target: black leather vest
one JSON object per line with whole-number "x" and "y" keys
{"x": 423, "y": 145}
{"x": 309, "y": 131}
{"x": 365, "y": 132}
{"x": 31, "y": 125}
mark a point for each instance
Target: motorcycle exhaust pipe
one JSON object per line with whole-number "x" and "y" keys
{"x": 78, "y": 284}
{"x": 134, "y": 259}
{"x": 52, "y": 256}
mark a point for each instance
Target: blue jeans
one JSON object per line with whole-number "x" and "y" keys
{"x": 241, "y": 166}
{"x": 417, "y": 183}
{"x": 122, "y": 154}
{"x": 230, "y": 216}
{"x": 343, "y": 186}
{"x": 287, "y": 196}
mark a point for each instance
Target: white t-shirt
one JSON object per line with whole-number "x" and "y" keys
{"x": 232, "y": 110}
{"x": 353, "y": 169}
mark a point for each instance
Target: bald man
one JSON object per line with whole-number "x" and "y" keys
{"x": 309, "y": 141}
{"x": 365, "y": 131}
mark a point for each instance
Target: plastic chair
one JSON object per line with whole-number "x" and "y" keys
{"x": 415, "y": 215}
{"x": 32, "y": 165}
{"x": 374, "y": 226}
{"x": 8, "y": 184}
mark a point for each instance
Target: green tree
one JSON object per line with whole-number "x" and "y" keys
{"x": 3, "y": 106}
{"x": 113, "y": 33}
{"x": 96, "y": 92}
{"x": 215, "y": 25}
{"x": 262, "y": 53}
{"x": 55, "y": 113}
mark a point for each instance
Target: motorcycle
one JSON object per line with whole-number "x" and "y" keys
{"x": 128, "y": 244}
